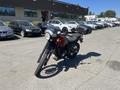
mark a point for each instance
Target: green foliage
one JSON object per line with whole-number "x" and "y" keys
{"x": 108, "y": 13}
{"x": 36, "y": 22}
{"x": 7, "y": 22}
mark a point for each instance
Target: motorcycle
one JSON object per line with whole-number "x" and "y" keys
{"x": 63, "y": 46}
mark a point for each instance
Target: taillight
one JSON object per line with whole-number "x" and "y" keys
{"x": 60, "y": 41}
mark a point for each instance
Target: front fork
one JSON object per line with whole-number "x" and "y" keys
{"x": 46, "y": 46}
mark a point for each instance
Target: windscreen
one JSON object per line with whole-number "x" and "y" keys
{"x": 2, "y": 24}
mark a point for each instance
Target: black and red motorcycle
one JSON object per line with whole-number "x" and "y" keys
{"x": 63, "y": 46}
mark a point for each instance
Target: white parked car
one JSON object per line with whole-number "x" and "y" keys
{"x": 72, "y": 24}
{"x": 117, "y": 23}
{"x": 100, "y": 23}
{"x": 110, "y": 24}
{"x": 62, "y": 24}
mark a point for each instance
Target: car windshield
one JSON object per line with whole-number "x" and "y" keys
{"x": 94, "y": 22}
{"x": 63, "y": 21}
{"x": 90, "y": 22}
{"x": 71, "y": 22}
{"x": 81, "y": 22}
{"x": 25, "y": 23}
{"x": 2, "y": 24}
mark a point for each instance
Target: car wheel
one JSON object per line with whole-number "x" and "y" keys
{"x": 65, "y": 30}
{"x": 22, "y": 33}
{"x": 73, "y": 30}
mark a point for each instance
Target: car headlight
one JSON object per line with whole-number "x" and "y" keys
{"x": 28, "y": 30}
{"x": 47, "y": 36}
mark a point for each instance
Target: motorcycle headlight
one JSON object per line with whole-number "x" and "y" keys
{"x": 47, "y": 36}
{"x": 28, "y": 30}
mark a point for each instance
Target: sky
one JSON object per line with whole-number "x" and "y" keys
{"x": 98, "y": 6}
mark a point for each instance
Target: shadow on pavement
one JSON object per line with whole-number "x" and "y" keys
{"x": 114, "y": 65}
{"x": 52, "y": 70}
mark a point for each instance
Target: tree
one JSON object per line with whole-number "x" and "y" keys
{"x": 110, "y": 13}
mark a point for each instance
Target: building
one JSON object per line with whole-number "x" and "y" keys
{"x": 37, "y": 9}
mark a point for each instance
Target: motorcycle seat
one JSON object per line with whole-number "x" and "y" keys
{"x": 73, "y": 37}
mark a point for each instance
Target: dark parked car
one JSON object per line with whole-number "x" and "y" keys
{"x": 24, "y": 28}
{"x": 43, "y": 26}
{"x": 84, "y": 28}
{"x": 5, "y": 31}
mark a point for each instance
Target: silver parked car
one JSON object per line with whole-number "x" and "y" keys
{"x": 5, "y": 31}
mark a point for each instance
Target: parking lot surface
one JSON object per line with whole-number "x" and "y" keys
{"x": 98, "y": 64}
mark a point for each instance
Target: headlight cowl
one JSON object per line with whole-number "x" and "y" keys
{"x": 47, "y": 36}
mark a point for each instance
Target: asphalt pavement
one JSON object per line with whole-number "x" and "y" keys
{"x": 97, "y": 66}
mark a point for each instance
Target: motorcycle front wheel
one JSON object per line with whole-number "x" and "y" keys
{"x": 42, "y": 62}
